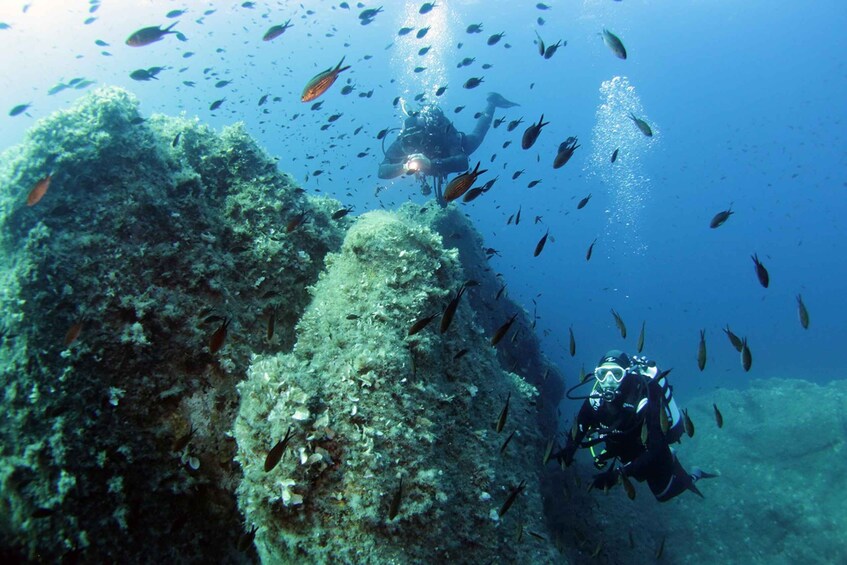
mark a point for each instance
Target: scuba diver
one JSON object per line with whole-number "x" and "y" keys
{"x": 632, "y": 411}
{"x": 429, "y": 145}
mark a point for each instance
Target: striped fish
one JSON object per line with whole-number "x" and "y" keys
{"x": 321, "y": 82}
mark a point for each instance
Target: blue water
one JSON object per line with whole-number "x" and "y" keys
{"x": 745, "y": 99}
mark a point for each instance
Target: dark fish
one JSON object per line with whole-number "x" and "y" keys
{"x": 395, "y": 501}
{"x": 216, "y": 104}
{"x": 721, "y": 217}
{"x": 641, "y": 337}
{"x": 321, "y": 82}
{"x": 501, "y": 331}
{"x": 148, "y": 35}
{"x": 540, "y": 44}
{"x": 511, "y": 498}
{"x": 174, "y": 14}
{"x": 41, "y": 512}
{"x": 505, "y": 443}
{"x": 271, "y": 324}
{"x": 572, "y": 345}
{"x": 614, "y": 43}
{"x": 746, "y": 356}
{"x": 422, "y": 32}
{"x": 733, "y": 339}
{"x": 761, "y": 272}
{"x": 19, "y": 109}
{"x": 472, "y": 82}
{"x": 176, "y": 139}
{"x": 583, "y": 202}
{"x": 405, "y": 30}
{"x": 532, "y": 132}
{"x": 718, "y": 416}
{"x": 427, "y": 7}
{"x": 615, "y": 155}
{"x": 516, "y": 174}
{"x": 628, "y": 487}
{"x": 548, "y": 451}
{"x": 687, "y": 424}
{"x": 539, "y": 247}
{"x": 619, "y": 323}
{"x": 275, "y": 454}
{"x": 421, "y": 324}
{"x": 450, "y": 311}
{"x": 347, "y": 89}
{"x": 533, "y": 183}
{"x": 661, "y": 549}
{"x": 701, "y": 351}
{"x": 460, "y": 184}
{"x": 217, "y": 339}
{"x": 38, "y": 191}
{"x": 518, "y": 216}
{"x": 493, "y": 39}
{"x": 245, "y": 540}
{"x": 296, "y": 221}
{"x": 459, "y": 354}
{"x": 664, "y": 423}
{"x": 642, "y": 125}
{"x": 590, "y": 250}
{"x": 275, "y": 31}
{"x": 142, "y": 75}
{"x": 441, "y": 90}
{"x": 566, "y": 151}
{"x": 504, "y": 413}
{"x": 513, "y": 124}
{"x": 367, "y": 15}
{"x": 551, "y": 49}
{"x": 340, "y": 213}
{"x": 474, "y": 28}
{"x": 473, "y": 193}
{"x": 804, "y": 314}
{"x": 499, "y": 292}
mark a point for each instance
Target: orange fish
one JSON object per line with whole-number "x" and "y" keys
{"x": 321, "y": 82}
{"x": 73, "y": 333}
{"x": 38, "y": 191}
{"x": 217, "y": 339}
{"x": 460, "y": 185}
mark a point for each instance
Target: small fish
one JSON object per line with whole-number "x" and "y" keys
{"x": 746, "y": 356}
{"x": 519, "y": 533}
{"x": 493, "y": 39}
{"x": 460, "y": 184}
{"x": 533, "y": 183}
{"x": 321, "y": 82}
{"x": 551, "y": 49}
{"x": 422, "y": 32}
{"x": 530, "y": 135}
{"x": 804, "y": 314}
{"x": 427, "y": 7}
{"x": 504, "y": 413}
{"x": 474, "y": 28}
{"x": 516, "y": 174}
{"x": 548, "y": 451}
{"x": 540, "y": 245}
{"x": 148, "y": 35}
{"x": 182, "y": 441}
{"x": 41, "y": 512}
{"x": 73, "y": 333}
{"x": 275, "y": 31}
{"x": 628, "y": 487}
{"x": 472, "y": 82}
{"x": 174, "y": 14}
{"x": 640, "y": 345}
{"x": 499, "y": 292}
{"x": 441, "y": 90}
{"x": 643, "y": 126}
{"x": 718, "y": 416}
{"x": 38, "y": 191}
{"x": 615, "y": 155}
{"x": 369, "y": 14}
{"x": 296, "y": 221}
{"x": 275, "y": 454}
{"x": 450, "y": 311}
{"x": 619, "y": 323}
{"x": 216, "y": 104}
{"x": 614, "y": 43}
{"x": 175, "y": 142}
{"x": 217, "y": 339}
{"x": 501, "y": 331}
{"x": 597, "y": 549}
{"x": 701, "y": 351}
{"x": 687, "y": 424}
{"x": 661, "y": 549}
{"x": 572, "y": 345}
{"x": 473, "y": 193}
{"x": 761, "y": 272}
{"x": 566, "y": 150}
{"x": 340, "y": 213}
{"x": 540, "y": 44}
{"x": 590, "y": 250}
{"x": 245, "y": 540}
{"x": 511, "y": 498}
{"x": 271, "y": 325}
{"x": 583, "y": 202}
{"x": 644, "y": 432}
{"x": 513, "y": 124}
{"x": 505, "y": 443}
{"x": 421, "y": 324}
{"x": 733, "y": 339}
{"x": 721, "y": 217}
{"x": 394, "y": 508}
{"x": 405, "y": 30}
{"x": 664, "y": 423}
{"x": 459, "y": 354}
{"x": 19, "y": 109}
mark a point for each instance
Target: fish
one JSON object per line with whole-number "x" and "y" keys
{"x": 619, "y": 323}
{"x": 628, "y": 487}
{"x": 643, "y": 126}
{"x": 719, "y": 218}
{"x": 530, "y": 135}
{"x": 427, "y": 7}
{"x": 182, "y": 441}
{"x": 41, "y": 512}
{"x": 540, "y": 44}
{"x": 664, "y": 423}
{"x": 661, "y": 549}
{"x": 614, "y": 43}
{"x": 687, "y": 424}
{"x": 295, "y": 222}
{"x": 548, "y": 451}
{"x": 216, "y": 104}
{"x": 566, "y": 151}
{"x": 394, "y": 507}
{"x": 701, "y": 351}
{"x": 271, "y": 324}
{"x": 644, "y": 432}
{"x": 551, "y": 49}
{"x": 804, "y": 314}
{"x": 459, "y": 354}
{"x": 474, "y": 28}
{"x": 405, "y": 31}
{"x": 148, "y": 35}
{"x": 38, "y": 191}
{"x": 275, "y": 454}
{"x": 493, "y": 39}
{"x": 733, "y": 339}
{"x": 366, "y": 16}
{"x": 19, "y": 109}
{"x": 174, "y": 14}
{"x": 175, "y": 142}
{"x": 597, "y": 550}
{"x": 540, "y": 245}
{"x": 341, "y": 212}
{"x": 761, "y": 271}
{"x": 583, "y": 202}
{"x": 511, "y": 498}
{"x": 421, "y": 324}
{"x": 440, "y": 90}
{"x": 73, "y": 333}
{"x": 746, "y": 356}
{"x": 505, "y": 443}
{"x": 460, "y": 184}
{"x": 533, "y": 183}
{"x": 422, "y": 32}
{"x": 499, "y": 292}
{"x": 513, "y": 124}
{"x": 614, "y": 155}
{"x": 321, "y": 82}
{"x": 473, "y": 193}
{"x": 504, "y": 413}
{"x": 572, "y": 345}
{"x": 472, "y": 82}
{"x": 450, "y": 311}
{"x": 217, "y": 339}
{"x": 516, "y": 174}
{"x": 718, "y": 416}
{"x": 501, "y": 331}
{"x": 275, "y": 31}
{"x": 143, "y": 75}
{"x": 640, "y": 345}
{"x": 245, "y": 540}
{"x": 590, "y": 250}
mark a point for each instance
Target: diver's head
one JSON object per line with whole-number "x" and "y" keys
{"x": 610, "y": 372}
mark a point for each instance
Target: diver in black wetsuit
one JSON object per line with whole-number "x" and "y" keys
{"x": 429, "y": 145}
{"x": 623, "y": 411}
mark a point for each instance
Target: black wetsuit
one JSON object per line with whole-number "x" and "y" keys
{"x": 619, "y": 424}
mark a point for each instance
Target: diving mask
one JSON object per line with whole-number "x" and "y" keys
{"x": 609, "y": 376}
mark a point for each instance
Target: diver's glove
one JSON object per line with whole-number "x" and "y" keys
{"x": 606, "y": 479}
{"x": 418, "y": 163}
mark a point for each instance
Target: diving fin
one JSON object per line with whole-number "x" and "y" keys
{"x": 498, "y": 101}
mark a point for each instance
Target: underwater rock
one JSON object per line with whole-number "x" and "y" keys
{"x": 369, "y": 405}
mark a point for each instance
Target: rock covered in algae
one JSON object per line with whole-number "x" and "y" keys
{"x": 115, "y": 412}
{"x": 368, "y": 405}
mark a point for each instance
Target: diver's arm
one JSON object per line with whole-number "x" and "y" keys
{"x": 584, "y": 421}
{"x": 454, "y": 164}
{"x": 394, "y": 163}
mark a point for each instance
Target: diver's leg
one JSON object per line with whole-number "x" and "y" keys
{"x": 471, "y": 141}
{"x": 439, "y": 197}
{"x": 678, "y": 481}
